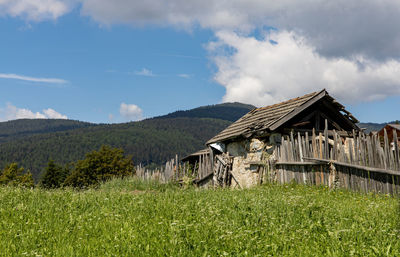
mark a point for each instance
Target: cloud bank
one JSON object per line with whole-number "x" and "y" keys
{"x": 130, "y": 112}
{"x": 11, "y": 112}
{"x": 350, "y": 47}
{"x": 335, "y": 28}
{"x": 262, "y": 72}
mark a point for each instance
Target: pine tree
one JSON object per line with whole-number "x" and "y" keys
{"x": 54, "y": 175}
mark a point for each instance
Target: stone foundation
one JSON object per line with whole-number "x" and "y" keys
{"x": 245, "y": 154}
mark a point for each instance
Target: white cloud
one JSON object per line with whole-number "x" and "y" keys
{"x": 130, "y": 111}
{"x": 259, "y": 72}
{"x": 11, "y": 112}
{"x": 52, "y": 114}
{"x": 32, "y": 79}
{"x": 35, "y": 10}
{"x": 145, "y": 72}
{"x": 185, "y": 76}
{"x": 338, "y": 45}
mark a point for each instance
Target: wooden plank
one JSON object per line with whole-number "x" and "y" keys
{"x": 320, "y": 146}
{"x": 356, "y": 154}
{"x": 350, "y": 144}
{"x": 295, "y": 163}
{"x": 307, "y": 142}
{"x": 300, "y": 145}
{"x": 334, "y": 153}
{"x": 396, "y": 150}
{"x": 326, "y": 148}
{"x": 314, "y": 144}
{"x": 330, "y": 132}
{"x": 386, "y": 149}
{"x": 379, "y": 170}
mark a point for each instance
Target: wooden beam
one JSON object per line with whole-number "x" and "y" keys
{"x": 330, "y": 132}
{"x": 317, "y": 120}
{"x": 309, "y": 116}
{"x": 331, "y": 121}
{"x": 297, "y": 110}
{"x": 379, "y": 170}
{"x": 301, "y": 123}
{"x": 340, "y": 115}
{"x": 295, "y": 163}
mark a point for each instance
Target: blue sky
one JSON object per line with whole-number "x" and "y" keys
{"x": 103, "y": 67}
{"x": 80, "y": 61}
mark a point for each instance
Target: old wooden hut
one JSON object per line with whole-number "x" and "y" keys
{"x": 389, "y": 128}
{"x": 238, "y": 150}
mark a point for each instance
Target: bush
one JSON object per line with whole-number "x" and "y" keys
{"x": 100, "y": 166}
{"x": 15, "y": 176}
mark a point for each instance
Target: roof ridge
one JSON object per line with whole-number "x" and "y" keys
{"x": 268, "y": 116}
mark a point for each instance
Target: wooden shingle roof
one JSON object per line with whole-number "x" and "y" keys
{"x": 270, "y": 117}
{"x": 395, "y": 126}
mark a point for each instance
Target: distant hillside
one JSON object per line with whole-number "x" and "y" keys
{"x": 14, "y": 129}
{"x": 226, "y": 111}
{"x": 33, "y": 142}
{"x": 370, "y": 126}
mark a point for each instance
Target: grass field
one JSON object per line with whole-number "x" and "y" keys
{"x": 132, "y": 218}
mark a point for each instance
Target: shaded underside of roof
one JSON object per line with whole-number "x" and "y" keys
{"x": 270, "y": 117}
{"x": 196, "y": 154}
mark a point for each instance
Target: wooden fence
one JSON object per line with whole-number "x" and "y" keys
{"x": 174, "y": 170}
{"x": 361, "y": 162}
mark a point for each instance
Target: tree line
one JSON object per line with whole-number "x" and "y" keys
{"x": 150, "y": 141}
{"x": 97, "y": 166}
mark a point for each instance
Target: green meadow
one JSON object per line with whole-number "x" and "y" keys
{"x": 127, "y": 217}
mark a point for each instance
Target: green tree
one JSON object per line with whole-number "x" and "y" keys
{"x": 100, "y": 166}
{"x": 54, "y": 175}
{"x": 15, "y": 176}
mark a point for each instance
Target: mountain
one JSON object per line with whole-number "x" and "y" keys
{"x": 11, "y": 130}
{"x": 227, "y": 111}
{"x": 32, "y": 143}
{"x": 370, "y": 126}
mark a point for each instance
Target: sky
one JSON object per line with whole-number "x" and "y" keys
{"x": 124, "y": 60}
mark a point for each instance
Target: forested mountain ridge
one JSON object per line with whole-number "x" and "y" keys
{"x": 14, "y": 129}
{"x": 226, "y": 111}
{"x": 149, "y": 141}
{"x": 370, "y": 126}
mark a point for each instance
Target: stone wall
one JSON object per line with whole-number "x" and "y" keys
{"x": 246, "y": 152}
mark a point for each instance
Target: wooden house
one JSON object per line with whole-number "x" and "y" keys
{"x": 237, "y": 151}
{"x": 395, "y": 128}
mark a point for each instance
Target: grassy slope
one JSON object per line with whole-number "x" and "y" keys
{"x": 121, "y": 220}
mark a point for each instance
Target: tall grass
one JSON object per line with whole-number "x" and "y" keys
{"x": 137, "y": 184}
{"x": 129, "y": 218}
